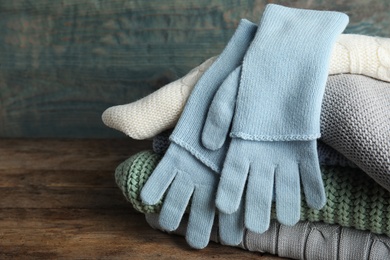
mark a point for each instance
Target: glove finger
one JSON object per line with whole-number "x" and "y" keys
{"x": 312, "y": 183}
{"x": 232, "y": 181}
{"x": 288, "y": 193}
{"x": 201, "y": 216}
{"x": 221, "y": 111}
{"x": 176, "y": 201}
{"x": 159, "y": 181}
{"x": 231, "y": 227}
{"x": 259, "y": 196}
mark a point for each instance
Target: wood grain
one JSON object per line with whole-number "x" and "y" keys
{"x": 59, "y": 201}
{"x": 64, "y": 62}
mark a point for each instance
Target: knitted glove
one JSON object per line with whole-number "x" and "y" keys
{"x": 276, "y": 116}
{"x": 189, "y": 173}
{"x": 353, "y": 198}
{"x": 159, "y": 111}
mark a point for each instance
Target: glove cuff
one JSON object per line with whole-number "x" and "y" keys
{"x": 284, "y": 74}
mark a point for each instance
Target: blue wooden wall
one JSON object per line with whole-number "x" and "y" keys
{"x": 63, "y": 62}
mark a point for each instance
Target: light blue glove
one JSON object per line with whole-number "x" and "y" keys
{"x": 186, "y": 178}
{"x": 189, "y": 172}
{"x": 273, "y": 104}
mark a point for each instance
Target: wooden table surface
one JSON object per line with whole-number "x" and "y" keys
{"x": 59, "y": 200}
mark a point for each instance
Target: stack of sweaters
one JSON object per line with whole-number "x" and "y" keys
{"x": 353, "y": 219}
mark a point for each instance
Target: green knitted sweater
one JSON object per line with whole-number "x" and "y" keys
{"x": 353, "y": 198}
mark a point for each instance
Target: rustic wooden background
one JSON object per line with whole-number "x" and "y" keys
{"x": 59, "y": 201}
{"x": 62, "y": 63}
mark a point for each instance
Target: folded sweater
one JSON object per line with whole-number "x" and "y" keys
{"x": 305, "y": 240}
{"x": 353, "y": 198}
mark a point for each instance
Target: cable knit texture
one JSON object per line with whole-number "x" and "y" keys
{"x": 307, "y": 240}
{"x": 360, "y": 54}
{"x": 353, "y": 198}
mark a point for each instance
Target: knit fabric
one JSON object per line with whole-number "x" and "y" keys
{"x": 326, "y": 154}
{"x": 306, "y": 240}
{"x": 355, "y": 120}
{"x": 353, "y": 198}
{"x": 132, "y": 174}
{"x": 161, "y": 142}
{"x": 159, "y": 111}
{"x": 284, "y": 74}
{"x": 329, "y": 156}
{"x": 361, "y": 54}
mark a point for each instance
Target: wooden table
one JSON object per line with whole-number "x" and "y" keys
{"x": 59, "y": 200}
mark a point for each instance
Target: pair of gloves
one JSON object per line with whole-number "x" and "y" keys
{"x": 247, "y": 135}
